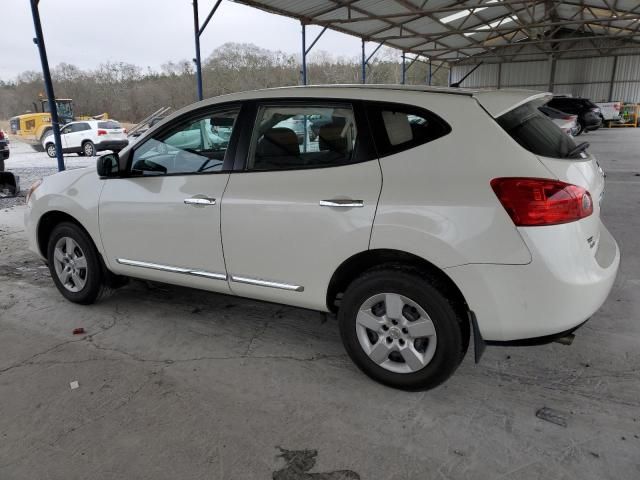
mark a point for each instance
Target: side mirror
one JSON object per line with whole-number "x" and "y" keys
{"x": 108, "y": 165}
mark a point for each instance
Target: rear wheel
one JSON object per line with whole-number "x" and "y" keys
{"x": 579, "y": 128}
{"x": 400, "y": 330}
{"x": 51, "y": 150}
{"x": 74, "y": 264}
{"x": 89, "y": 149}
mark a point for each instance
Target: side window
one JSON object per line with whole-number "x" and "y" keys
{"x": 401, "y": 127}
{"x": 67, "y": 129}
{"x": 302, "y": 136}
{"x": 196, "y": 146}
{"x": 81, "y": 127}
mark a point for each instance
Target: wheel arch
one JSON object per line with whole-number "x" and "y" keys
{"x": 352, "y": 267}
{"x": 48, "y": 222}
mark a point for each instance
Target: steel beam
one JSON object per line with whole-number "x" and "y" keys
{"x": 304, "y": 54}
{"x": 48, "y": 84}
{"x": 197, "y": 59}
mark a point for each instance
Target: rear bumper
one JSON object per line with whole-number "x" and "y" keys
{"x": 112, "y": 145}
{"x": 564, "y": 285}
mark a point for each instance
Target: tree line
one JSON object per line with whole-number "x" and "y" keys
{"x": 129, "y": 93}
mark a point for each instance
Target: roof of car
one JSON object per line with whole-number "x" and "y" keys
{"x": 495, "y": 101}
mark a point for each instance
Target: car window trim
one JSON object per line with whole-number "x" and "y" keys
{"x": 363, "y": 151}
{"x": 230, "y": 154}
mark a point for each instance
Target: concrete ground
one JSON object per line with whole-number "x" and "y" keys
{"x": 184, "y": 384}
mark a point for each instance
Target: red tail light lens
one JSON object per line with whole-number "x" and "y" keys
{"x": 102, "y": 132}
{"x": 1, "y": 135}
{"x": 540, "y": 201}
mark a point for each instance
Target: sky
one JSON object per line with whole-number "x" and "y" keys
{"x": 146, "y": 33}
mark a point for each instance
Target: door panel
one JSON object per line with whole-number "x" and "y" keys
{"x": 147, "y": 220}
{"x": 274, "y": 229}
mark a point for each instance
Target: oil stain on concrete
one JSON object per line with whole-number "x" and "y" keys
{"x": 298, "y": 464}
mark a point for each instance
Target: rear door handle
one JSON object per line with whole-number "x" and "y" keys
{"x": 200, "y": 201}
{"x": 341, "y": 202}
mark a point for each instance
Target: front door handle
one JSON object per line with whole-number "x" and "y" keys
{"x": 200, "y": 201}
{"x": 341, "y": 202}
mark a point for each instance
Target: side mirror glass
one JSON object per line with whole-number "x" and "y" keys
{"x": 108, "y": 165}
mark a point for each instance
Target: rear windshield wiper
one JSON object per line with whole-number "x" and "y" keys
{"x": 579, "y": 149}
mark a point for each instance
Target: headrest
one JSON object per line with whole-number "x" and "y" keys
{"x": 330, "y": 138}
{"x": 278, "y": 142}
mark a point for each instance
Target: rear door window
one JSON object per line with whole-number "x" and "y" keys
{"x": 285, "y": 138}
{"x": 536, "y": 132}
{"x": 398, "y": 127}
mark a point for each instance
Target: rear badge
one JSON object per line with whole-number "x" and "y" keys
{"x": 591, "y": 242}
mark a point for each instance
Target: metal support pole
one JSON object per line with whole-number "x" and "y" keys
{"x": 430, "y": 74}
{"x": 404, "y": 68}
{"x": 364, "y": 64}
{"x": 552, "y": 73}
{"x": 304, "y": 54}
{"x": 197, "y": 60}
{"x": 613, "y": 77}
{"x": 48, "y": 85}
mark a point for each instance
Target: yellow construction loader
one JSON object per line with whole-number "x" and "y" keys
{"x": 33, "y": 127}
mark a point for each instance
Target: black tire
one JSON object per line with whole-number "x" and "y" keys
{"x": 51, "y": 150}
{"x": 580, "y": 128}
{"x": 94, "y": 285}
{"x": 450, "y": 344}
{"x": 88, "y": 148}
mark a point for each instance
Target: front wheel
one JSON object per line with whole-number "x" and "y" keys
{"x": 51, "y": 150}
{"x": 400, "y": 330}
{"x": 74, "y": 264}
{"x": 89, "y": 149}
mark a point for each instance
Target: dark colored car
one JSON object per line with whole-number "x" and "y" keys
{"x": 589, "y": 117}
{"x": 4, "y": 149}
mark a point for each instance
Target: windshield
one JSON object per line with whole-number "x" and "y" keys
{"x": 536, "y": 132}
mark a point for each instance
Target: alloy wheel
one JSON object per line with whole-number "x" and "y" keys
{"x": 396, "y": 333}
{"x": 70, "y": 264}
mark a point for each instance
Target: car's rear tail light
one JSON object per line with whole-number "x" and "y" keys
{"x": 125, "y": 131}
{"x": 102, "y": 132}
{"x": 1, "y": 135}
{"x": 540, "y": 201}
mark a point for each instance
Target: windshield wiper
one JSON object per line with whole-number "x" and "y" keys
{"x": 579, "y": 149}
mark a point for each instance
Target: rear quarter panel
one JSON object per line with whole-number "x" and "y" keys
{"x": 437, "y": 201}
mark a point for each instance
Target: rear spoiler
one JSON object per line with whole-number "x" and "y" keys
{"x": 499, "y": 102}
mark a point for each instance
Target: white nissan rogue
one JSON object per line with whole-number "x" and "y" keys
{"x": 418, "y": 215}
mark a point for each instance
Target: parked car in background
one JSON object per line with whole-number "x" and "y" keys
{"x": 610, "y": 111}
{"x": 377, "y": 224}
{"x": 4, "y": 149}
{"x": 588, "y": 113}
{"x": 568, "y": 123}
{"x": 88, "y": 137}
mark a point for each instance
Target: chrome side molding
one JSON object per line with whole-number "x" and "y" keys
{"x": 267, "y": 283}
{"x": 172, "y": 269}
{"x": 212, "y": 275}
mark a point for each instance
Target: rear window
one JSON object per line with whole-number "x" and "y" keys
{"x": 400, "y": 127}
{"x": 111, "y": 124}
{"x": 536, "y": 132}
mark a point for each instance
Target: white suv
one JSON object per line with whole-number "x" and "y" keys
{"x": 88, "y": 137}
{"x": 417, "y": 219}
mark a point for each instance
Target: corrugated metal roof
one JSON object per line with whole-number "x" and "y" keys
{"x": 457, "y": 30}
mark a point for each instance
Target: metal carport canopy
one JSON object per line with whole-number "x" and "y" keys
{"x": 447, "y": 30}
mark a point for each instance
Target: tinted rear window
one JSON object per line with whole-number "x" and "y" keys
{"x": 398, "y": 127}
{"x": 109, "y": 125}
{"x": 536, "y": 132}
